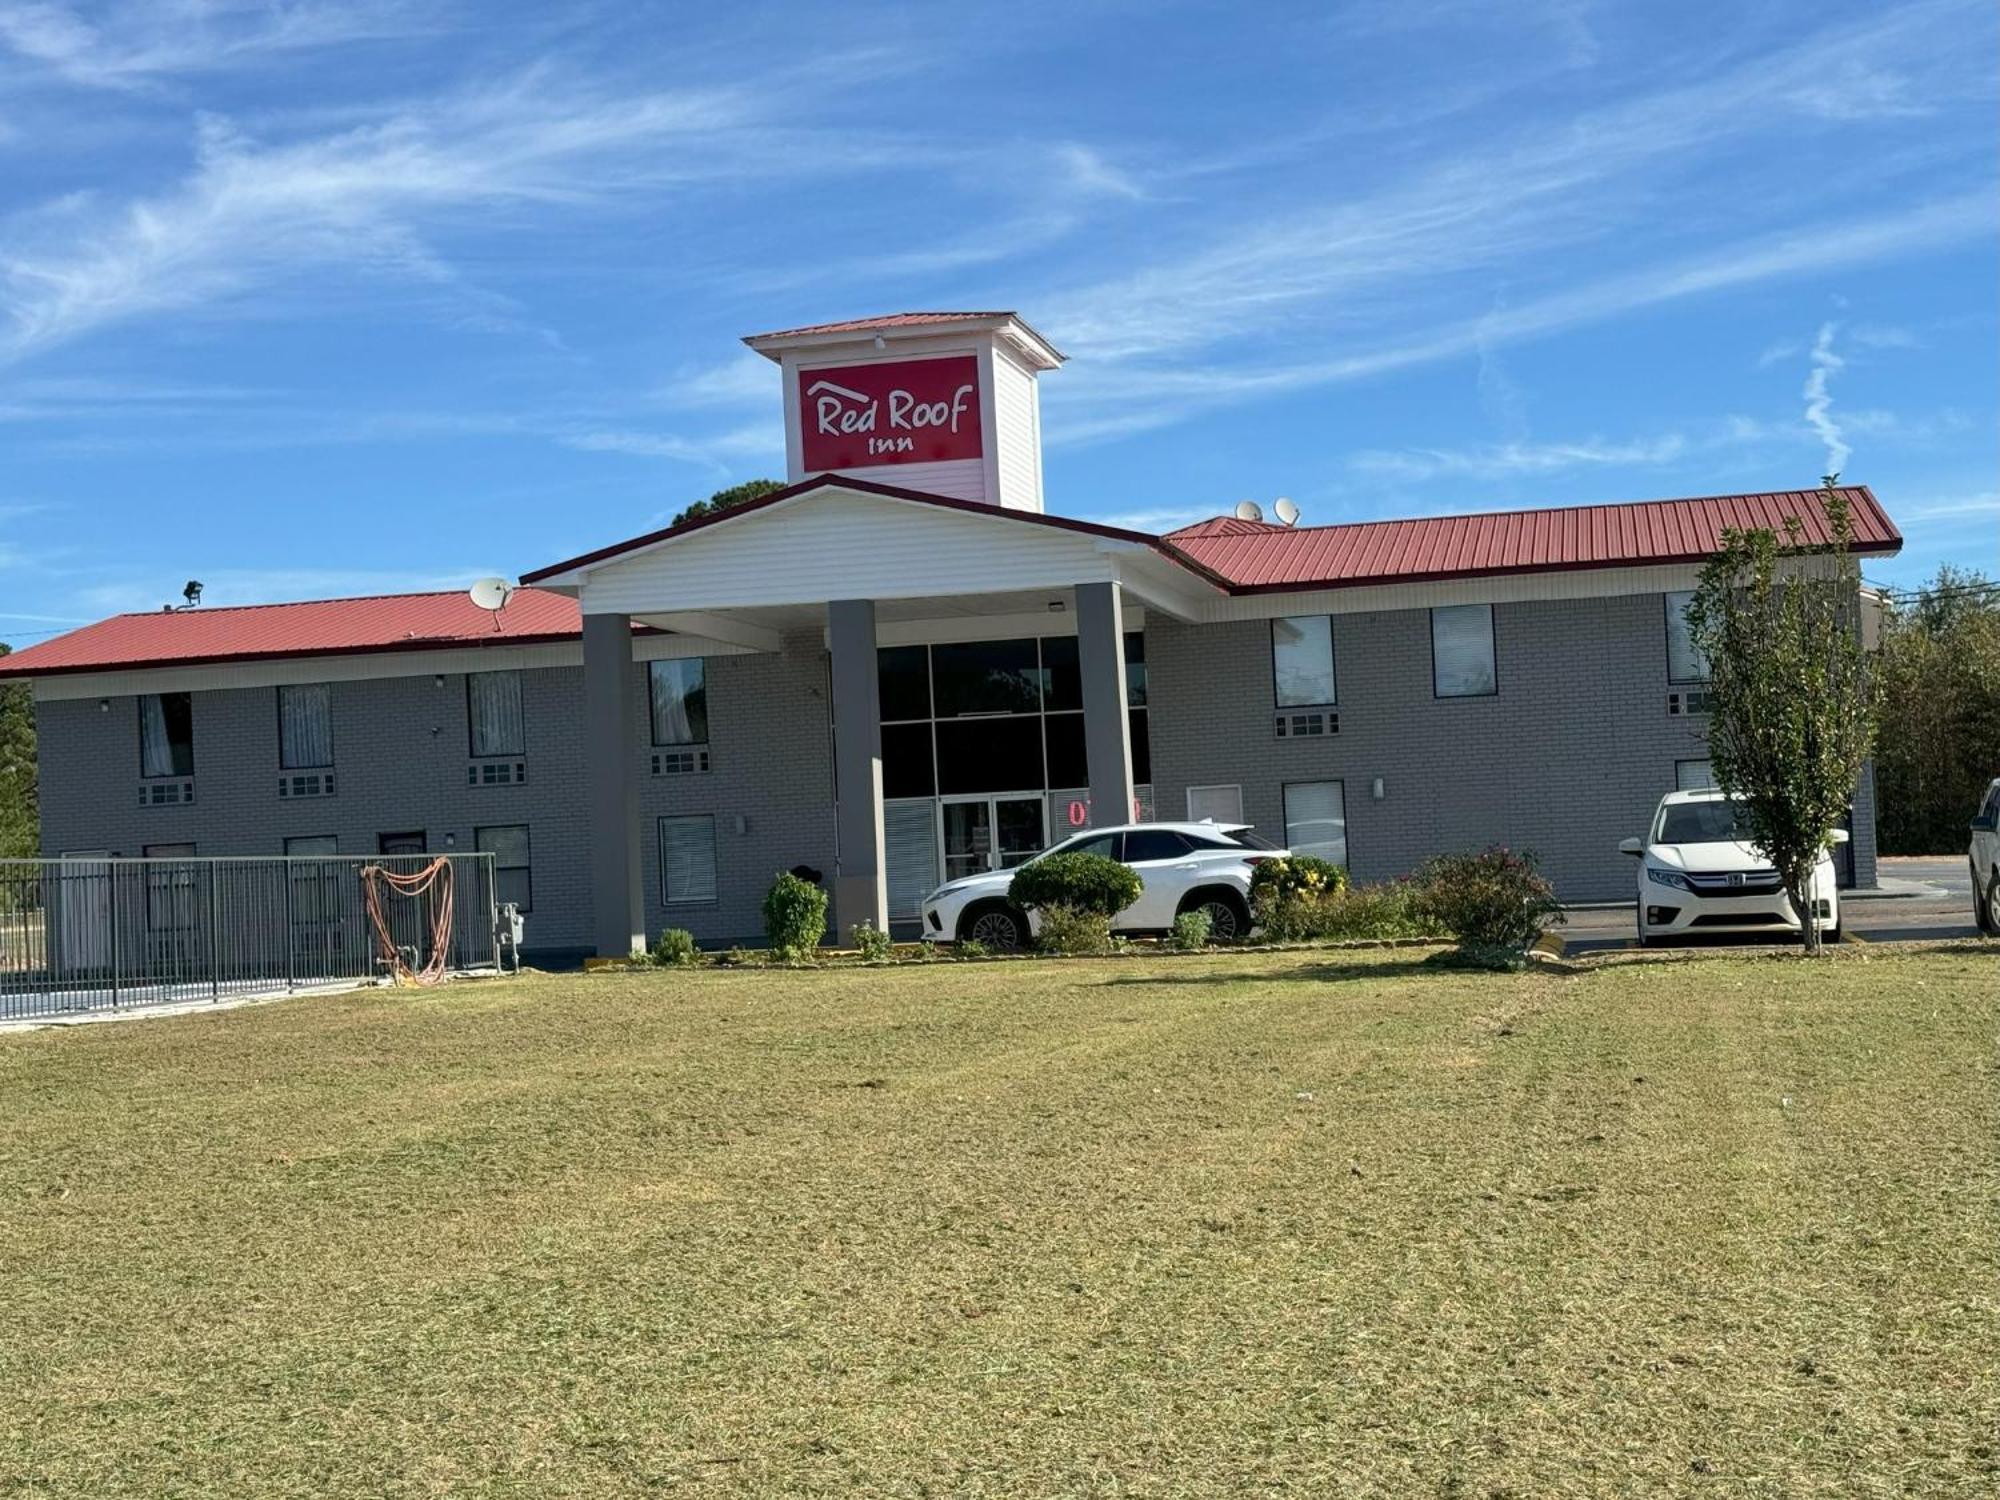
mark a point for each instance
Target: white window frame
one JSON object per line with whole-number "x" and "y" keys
{"x": 1682, "y": 784}
{"x": 653, "y": 672}
{"x": 1236, "y": 788}
{"x": 520, "y": 726}
{"x": 1285, "y": 803}
{"x": 1676, "y": 604}
{"x": 286, "y": 751}
{"x": 1464, "y": 611}
{"x": 1332, "y": 699}
{"x": 667, "y": 896}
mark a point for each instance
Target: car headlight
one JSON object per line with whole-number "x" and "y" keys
{"x": 1668, "y": 877}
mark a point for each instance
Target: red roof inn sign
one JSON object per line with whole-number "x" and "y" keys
{"x": 916, "y": 411}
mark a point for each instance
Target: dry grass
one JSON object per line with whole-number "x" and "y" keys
{"x": 1261, "y": 1225}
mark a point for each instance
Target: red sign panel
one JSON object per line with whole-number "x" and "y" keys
{"x": 913, "y": 411}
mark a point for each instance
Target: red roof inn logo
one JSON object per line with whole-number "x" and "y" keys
{"x": 917, "y": 411}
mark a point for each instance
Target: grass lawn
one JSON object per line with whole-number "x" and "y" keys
{"x": 1249, "y": 1225}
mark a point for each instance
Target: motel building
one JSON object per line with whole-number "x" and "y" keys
{"x": 903, "y": 668}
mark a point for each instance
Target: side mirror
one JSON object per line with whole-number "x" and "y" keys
{"x": 1631, "y": 846}
{"x": 1840, "y": 835}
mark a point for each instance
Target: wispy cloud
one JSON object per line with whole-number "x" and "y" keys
{"x": 1986, "y": 504}
{"x": 718, "y": 451}
{"x": 132, "y": 44}
{"x": 227, "y": 586}
{"x": 1510, "y": 459}
{"x": 1819, "y": 399}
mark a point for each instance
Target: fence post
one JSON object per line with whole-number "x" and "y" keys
{"x": 117, "y": 959}
{"x": 291, "y": 937}
{"x": 214, "y": 945}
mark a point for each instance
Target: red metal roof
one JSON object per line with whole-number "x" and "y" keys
{"x": 321, "y": 627}
{"x": 871, "y": 325}
{"x": 1257, "y": 556}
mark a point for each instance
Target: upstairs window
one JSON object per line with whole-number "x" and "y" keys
{"x": 493, "y": 708}
{"x": 166, "y": 734}
{"x": 680, "y": 701}
{"x": 1302, "y": 661}
{"x": 305, "y": 727}
{"x": 1685, "y": 663}
{"x": 1462, "y": 651}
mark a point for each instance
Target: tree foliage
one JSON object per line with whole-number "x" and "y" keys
{"x": 729, "y": 499}
{"x": 1792, "y": 711}
{"x": 1939, "y": 666}
{"x": 20, "y": 829}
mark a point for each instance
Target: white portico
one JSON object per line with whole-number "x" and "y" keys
{"x": 868, "y": 564}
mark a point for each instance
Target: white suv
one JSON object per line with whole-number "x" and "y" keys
{"x": 1699, "y": 873}
{"x": 1183, "y": 866}
{"x": 1984, "y": 857}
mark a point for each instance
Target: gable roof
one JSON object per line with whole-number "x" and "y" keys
{"x": 876, "y": 325}
{"x": 1258, "y": 556}
{"x": 866, "y": 487}
{"x": 319, "y": 627}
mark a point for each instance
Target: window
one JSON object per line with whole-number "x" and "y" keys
{"x": 166, "y": 734}
{"x": 1217, "y": 804}
{"x": 1462, "y": 651}
{"x": 1316, "y": 819}
{"x": 687, "y": 860}
{"x": 1135, "y": 669}
{"x": 986, "y": 677}
{"x": 493, "y": 709}
{"x": 990, "y": 755}
{"x": 1144, "y": 844}
{"x": 1302, "y": 660}
{"x": 904, "y": 677}
{"x": 170, "y": 897}
{"x": 680, "y": 701}
{"x": 312, "y": 845}
{"x": 508, "y": 844}
{"x": 1685, "y": 663}
{"x": 1108, "y": 845}
{"x": 413, "y": 842}
{"x": 305, "y": 727}
{"x": 1693, "y": 776}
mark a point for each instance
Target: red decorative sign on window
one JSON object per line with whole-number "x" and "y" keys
{"x": 915, "y": 411}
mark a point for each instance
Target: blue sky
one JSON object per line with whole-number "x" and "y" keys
{"x": 347, "y": 298}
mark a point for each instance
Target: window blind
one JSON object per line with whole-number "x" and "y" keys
{"x": 1462, "y": 651}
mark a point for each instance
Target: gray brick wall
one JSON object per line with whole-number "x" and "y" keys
{"x": 1568, "y": 758}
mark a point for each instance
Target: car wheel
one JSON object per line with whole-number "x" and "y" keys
{"x": 1000, "y": 928}
{"x": 1992, "y": 904}
{"x": 1228, "y": 917}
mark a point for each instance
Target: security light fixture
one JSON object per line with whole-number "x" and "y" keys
{"x": 192, "y": 592}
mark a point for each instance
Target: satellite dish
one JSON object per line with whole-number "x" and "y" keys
{"x": 1287, "y": 511}
{"x": 491, "y": 593}
{"x": 1249, "y": 510}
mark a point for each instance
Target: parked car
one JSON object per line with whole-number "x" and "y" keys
{"x": 1699, "y": 873}
{"x": 1183, "y": 867}
{"x": 1984, "y": 857}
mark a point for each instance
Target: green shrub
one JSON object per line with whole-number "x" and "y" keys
{"x": 875, "y": 945}
{"x": 1495, "y": 899}
{"x": 1190, "y": 934}
{"x": 968, "y": 948}
{"x": 1288, "y": 896}
{"x": 741, "y": 958}
{"x": 1068, "y": 931}
{"x": 676, "y": 948}
{"x": 794, "y": 917}
{"x": 1080, "y": 882}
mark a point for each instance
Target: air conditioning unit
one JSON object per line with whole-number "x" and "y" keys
{"x": 1312, "y": 723}
{"x": 294, "y": 784}
{"x": 680, "y": 762}
{"x": 1683, "y": 703}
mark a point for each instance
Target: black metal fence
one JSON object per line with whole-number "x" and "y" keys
{"x": 81, "y": 935}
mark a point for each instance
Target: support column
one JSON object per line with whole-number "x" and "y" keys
{"x": 1107, "y": 729}
{"x": 618, "y": 918}
{"x": 861, "y": 883}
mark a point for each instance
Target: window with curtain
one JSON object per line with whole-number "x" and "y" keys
{"x": 687, "y": 860}
{"x": 166, "y": 734}
{"x": 508, "y": 844}
{"x": 1316, "y": 819}
{"x": 680, "y": 701}
{"x": 1693, "y": 775}
{"x": 1302, "y": 661}
{"x": 305, "y": 727}
{"x": 1685, "y": 663}
{"x": 1216, "y": 804}
{"x": 493, "y": 708}
{"x": 1462, "y": 651}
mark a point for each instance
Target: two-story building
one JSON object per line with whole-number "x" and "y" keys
{"x": 901, "y": 669}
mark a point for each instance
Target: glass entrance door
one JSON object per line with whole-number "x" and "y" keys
{"x": 991, "y": 833}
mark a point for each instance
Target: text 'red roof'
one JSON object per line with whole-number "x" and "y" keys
{"x": 321, "y": 627}
{"x": 1255, "y": 555}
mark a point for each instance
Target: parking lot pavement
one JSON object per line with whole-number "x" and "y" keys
{"x": 1938, "y": 912}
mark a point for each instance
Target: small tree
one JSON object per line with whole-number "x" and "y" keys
{"x": 1792, "y": 704}
{"x": 729, "y": 499}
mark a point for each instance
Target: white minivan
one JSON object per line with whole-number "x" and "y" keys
{"x": 1699, "y": 873}
{"x": 1984, "y": 856}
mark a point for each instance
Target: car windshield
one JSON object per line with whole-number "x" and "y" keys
{"x": 1717, "y": 822}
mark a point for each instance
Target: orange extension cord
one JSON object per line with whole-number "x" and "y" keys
{"x": 434, "y": 877}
